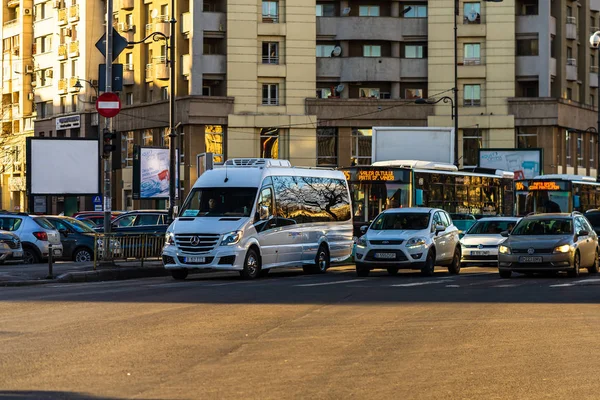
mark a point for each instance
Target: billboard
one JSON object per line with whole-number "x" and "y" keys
{"x": 525, "y": 163}
{"x": 150, "y": 172}
{"x": 63, "y": 166}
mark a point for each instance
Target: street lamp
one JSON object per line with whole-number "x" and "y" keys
{"x": 454, "y": 116}
{"x": 79, "y": 86}
{"x": 595, "y": 42}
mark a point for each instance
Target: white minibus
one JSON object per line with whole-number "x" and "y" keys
{"x": 251, "y": 215}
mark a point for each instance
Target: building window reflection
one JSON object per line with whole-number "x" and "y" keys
{"x": 213, "y": 141}
{"x": 269, "y": 143}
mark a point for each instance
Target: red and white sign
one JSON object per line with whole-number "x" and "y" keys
{"x": 108, "y": 104}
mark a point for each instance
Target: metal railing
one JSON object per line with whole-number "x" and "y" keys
{"x": 572, "y": 20}
{"x": 472, "y": 61}
{"x": 128, "y": 247}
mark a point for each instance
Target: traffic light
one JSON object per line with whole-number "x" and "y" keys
{"x": 108, "y": 145}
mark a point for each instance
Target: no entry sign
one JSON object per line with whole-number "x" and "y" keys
{"x": 108, "y": 104}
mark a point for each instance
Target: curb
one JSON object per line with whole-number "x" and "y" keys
{"x": 26, "y": 283}
{"x": 111, "y": 275}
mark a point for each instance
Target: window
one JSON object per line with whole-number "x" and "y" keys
{"x": 270, "y": 94}
{"x": 270, "y": 53}
{"x": 472, "y": 13}
{"x": 527, "y": 47}
{"x": 569, "y": 54}
{"x": 592, "y": 100}
{"x": 568, "y": 148}
{"x": 44, "y": 109}
{"x": 41, "y": 11}
{"x": 361, "y": 146}
{"x": 270, "y": 11}
{"x": 129, "y": 61}
{"x": 205, "y": 90}
{"x": 10, "y": 224}
{"x": 413, "y": 93}
{"x": 527, "y": 137}
{"x": 324, "y": 50}
{"x": 368, "y": 11}
{"x": 580, "y": 162}
{"x": 325, "y": 10}
{"x": 63, "y": 104}
{"x": 128, "y": 99}
{"x": 43, "y": 44}
{"x": 213, "y": 142}
{"x": 147, "y": 220}
{"x": 369, "y": 92}
{"x": 327, "y": 149}
{"x": 323, "y": 93}
{"x": 45, "y": 76}
{"x": 127, "y": 149}
{"x": 472, "y": 95}
{"x": 414, "y": 51}
{"x": 147, "y": 137}
{"x": 269, "y": 143}
{"x": 414, "y": 11}
{"x": 164, "y": 93}
{"x": 472, "y": 142}
{"x": 472, "y": 54}
{"x": 569, "y": 94}
{"x": 371, "y": 50}
{"x": 74, "y": 102}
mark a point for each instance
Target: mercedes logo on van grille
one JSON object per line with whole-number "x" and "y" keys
{"x": 530, "y": 250}
{"x": 195, "y": 241}
{"x": 480, "y": 246}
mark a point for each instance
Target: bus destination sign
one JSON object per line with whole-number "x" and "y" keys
{"x": 538, "y": 185}
{"x": 375, "y": 175}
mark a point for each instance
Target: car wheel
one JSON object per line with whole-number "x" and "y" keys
{"x": 596, "y": 267}
{"x": 30, "y": 256}
{"x": 454, "y": 268}
{"x": 392, "y": 271}
{"x": 322, "y": 260}
{"x": 505, "y": 273}
{"x": 574, "y": 272}
{"x": 362, "y": 270}
{"x": 83, "y": 255}
{"x": 179, "y": 274}
{"x": 251, "y": 265}
{"x": 429, "y": 267}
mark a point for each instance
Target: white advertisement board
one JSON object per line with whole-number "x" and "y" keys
{"x": 63, "y": 166}
{"x": 525, "y": 163}
{"x": 154, "y": 173}
{"x": 391, "y": 143}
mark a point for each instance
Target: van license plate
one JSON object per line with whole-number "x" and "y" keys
{"x": 195, "y": 260}
{"x": 530, "y": 259}
{"x": 385, "y": 255}
{"x": 480, "y": 253}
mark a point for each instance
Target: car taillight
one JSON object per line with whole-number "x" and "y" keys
{"x": 41, "y": 236}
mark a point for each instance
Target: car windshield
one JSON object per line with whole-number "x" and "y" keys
{"x": 44, "y": 223}
{"x": 401, "y": 221}
{"x": 491, "y": 227}
{"x": 79, "y": 226}
{"x": 219, "y": 202}
{"x": 546, "y": 226}
{"x": 89, "y": 222}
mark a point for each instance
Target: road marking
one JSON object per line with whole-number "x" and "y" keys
{"x": 500, "y": 286}
{"x": 453, "y": 286}
{"x": 419, "y": 283}
{"x": 331, "y": 283}
{"x": 575, "y": 283}
{"x": 486, "y": 282}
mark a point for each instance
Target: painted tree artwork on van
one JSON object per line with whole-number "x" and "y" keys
{"x": 311, "y": 199}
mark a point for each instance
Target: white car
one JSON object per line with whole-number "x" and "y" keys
{"x": 409, "y": 238}
{"x": 480, "y": 243}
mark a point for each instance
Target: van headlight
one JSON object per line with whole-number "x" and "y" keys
{"x": 169, "y": 238}
{"x": 362, "y": 241}
{"x": 504, "y": 250}
{"x": 415, "y": 242}
{"x": 562, "y": 249}
{"x": 231, "y": 238}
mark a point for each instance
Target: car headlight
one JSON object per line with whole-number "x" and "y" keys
{"x": 169, "y": 238}
{"x": 504, "y": 250}
{"x": 416, "y": 242}
{"x": 231, "y": 238}
{"x": 362, "y": 241}
{"x": 562, "y": 249}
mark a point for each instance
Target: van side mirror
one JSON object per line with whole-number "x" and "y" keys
{"x": 364, "y": 229}
{"x": 504, "y": 233}
{"x": 263, "y": 213}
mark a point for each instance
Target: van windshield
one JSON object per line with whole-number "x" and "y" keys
{"x": 219, "y": 202}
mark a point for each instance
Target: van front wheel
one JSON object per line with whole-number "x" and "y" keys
{"x": 321, "y": 264}
{"x": 251, "y": 265}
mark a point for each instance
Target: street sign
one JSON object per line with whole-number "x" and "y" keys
{"x": 119, "y": 44}
{"x": 117, "y": 78}
{"x": 108, "y": 104}
{"x": 97, "y": 201}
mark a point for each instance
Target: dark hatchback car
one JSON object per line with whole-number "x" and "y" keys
{"x": 139, "y": 222}
{"x": 95, "y": 217}
{"x": 76, "y": 237}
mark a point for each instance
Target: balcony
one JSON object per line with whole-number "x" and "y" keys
{"x": 571, "y": 69}
{"x": 552, "y": 66}
{"x": 370, "y": 28}
{"x": 186, "y": 23}
{"x": 13, "y": 3}
{"x": 360, "y": 69}
{"x": 214, "y": 64}
{"x": 525, "y": 22}
{"x": 72, "y": 81}
{"x": 529, "y": 66}
{"x": 413, "y": 68}
{"x": 161, "y": 68}
{"x": 62, "y": 16}
{"x": 149, "y": 72}
{"x": 127, "y": 4}
{"x": 74, "y": 13}
{"x": 74, "y": 49}
{"x": 186, "y": 65}
{"x": 62, "y": 51}
{"x": 571, "y": 28}
{"x": 212, "y": 22}
{"x": 594, "y": 76}
{"x": 11, "y": 23}
{"x": 62, "y": 86}
{"x": 128, "y": 75}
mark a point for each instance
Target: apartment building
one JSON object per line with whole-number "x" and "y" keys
{"x": 17, "y": 102}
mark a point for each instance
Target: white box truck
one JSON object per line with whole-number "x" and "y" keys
{"x": 413, "y": 143}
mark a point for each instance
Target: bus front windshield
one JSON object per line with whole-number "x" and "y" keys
{"x": 544, "y": 201}
{"x": 219, "y": 202}
{"x": 369, "y": 199}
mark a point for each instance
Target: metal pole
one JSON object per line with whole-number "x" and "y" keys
{"x": 108, "y": 125}
{"x": 598, "y": 126}
{"x": 173, "y": 185}
{"x": 456, "y": 13}
{"x": 50, "y": 261}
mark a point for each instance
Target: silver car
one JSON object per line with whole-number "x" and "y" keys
{"x": 36, "y": 235}
{"x": 10, "y": 248}
{"x": 549, "y": 242}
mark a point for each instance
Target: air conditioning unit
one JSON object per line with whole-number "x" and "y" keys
{"x": 94, "y": 121}
{"x": 27, "y": 11}
{"x": 68, "y": 32}
{"x": 30, "y": 96}
{"x": 49, "y": 73}
{"x": 93, "y": 99}
{"x": 29, "y": 69}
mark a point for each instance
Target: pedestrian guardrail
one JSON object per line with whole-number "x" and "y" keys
{"x": 128, "y": 247}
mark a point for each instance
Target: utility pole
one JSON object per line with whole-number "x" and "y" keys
{"x": 174, "y": 163}
{"x": 108, "y": 126}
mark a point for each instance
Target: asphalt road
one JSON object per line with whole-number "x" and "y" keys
{"x": 213, "y": 336}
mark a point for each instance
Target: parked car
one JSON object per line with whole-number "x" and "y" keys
{"x": 36, "y": 235}
{"x": 10, "y": 248}
{"x": 480, "y": 243}
{"x": 593, "y": 217}
{"x": 549, "y": 242}
{"x": 463, "y": 221}
{"x": 409, "y": 238}
{"x": 139, "y": 221}
{"x": 77, "y": 238}
{"x": 96, "y": 217}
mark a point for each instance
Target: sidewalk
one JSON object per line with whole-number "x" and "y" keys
{"x": 68, "y": 271}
